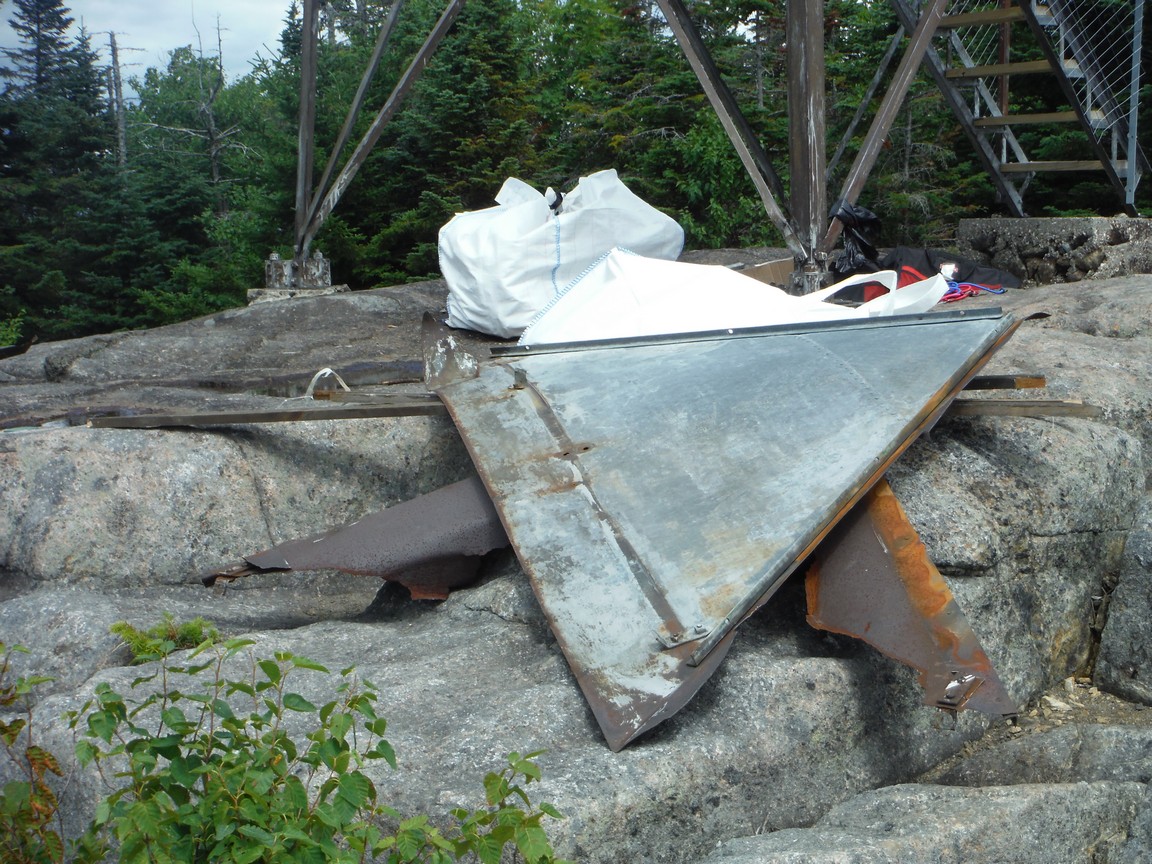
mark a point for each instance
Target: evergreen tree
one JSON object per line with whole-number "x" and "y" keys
{"x": 57, "y": 176}
{"x": 42, "y": 58}
{"x": 467, "y": 126}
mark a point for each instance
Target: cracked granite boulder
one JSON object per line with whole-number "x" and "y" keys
{"x": 1026, "y": 517}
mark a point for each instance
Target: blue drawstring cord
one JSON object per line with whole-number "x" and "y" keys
{"x": 959, "y": 290}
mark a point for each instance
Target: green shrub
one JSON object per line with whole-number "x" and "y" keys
{"x": 204, "y": 781}
{"x": 164, "y": 638}
{"x": 28, "y": 807}
{"x": 10, "y": 329}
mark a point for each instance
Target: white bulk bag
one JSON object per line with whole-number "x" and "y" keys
{"x": 505, "y": 263}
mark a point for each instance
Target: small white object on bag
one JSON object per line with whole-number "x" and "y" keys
{"x": 506, "y": 263}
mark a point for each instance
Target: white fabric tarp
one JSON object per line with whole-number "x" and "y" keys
{"x": 625, "y": 295}
{"x": 505, "y": 263}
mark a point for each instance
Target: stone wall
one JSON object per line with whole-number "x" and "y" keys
{"x": 1046, "y": 251}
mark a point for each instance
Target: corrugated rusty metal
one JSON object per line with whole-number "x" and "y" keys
{"x": 658, "y": 491}
{"x": 872, "y": 579}
{"x": 430, "y": 544}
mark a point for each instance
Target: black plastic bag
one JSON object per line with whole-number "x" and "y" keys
{"x": 859, "y": 255}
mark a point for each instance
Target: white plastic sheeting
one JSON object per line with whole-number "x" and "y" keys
{"x": 505, "y": 263}
{"x": 626, "y": 295}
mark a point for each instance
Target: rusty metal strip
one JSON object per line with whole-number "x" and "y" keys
{"x": 1023, "y": 408}
{"x": 404, "y": 400}
{"x": 397, "y": 407}
{"x": 872, "y": 579}
{"x": 431, "y": 544}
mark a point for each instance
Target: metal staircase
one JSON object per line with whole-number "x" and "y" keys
{"x": 1089, "y": 50}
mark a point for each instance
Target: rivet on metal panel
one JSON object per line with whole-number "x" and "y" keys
{"x": 958, "y": 691}
{"x": 574, "y": 451}
{"x": 673, "y": 640}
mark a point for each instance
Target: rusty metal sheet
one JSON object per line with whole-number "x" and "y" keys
{"x": 657, "y": 491}
{"x": 430, "y": 544}
{"x": 872, "y": 579}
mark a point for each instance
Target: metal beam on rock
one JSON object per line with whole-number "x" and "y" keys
{"x": 735, "y": 124}
{"x": 321, "y": 204}
{"x": 872, "y": 579}
{"x": 304, "y": 240}
{"x": 909, "y": 65}
{"x": 806, "y": 132}
{"x": 306, "y": 141}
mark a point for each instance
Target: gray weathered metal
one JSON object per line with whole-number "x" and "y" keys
{"x": 658, "y": 491}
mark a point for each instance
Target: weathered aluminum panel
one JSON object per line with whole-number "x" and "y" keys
{"x": 657, "y": 491}
{"x": 871, "y": 578}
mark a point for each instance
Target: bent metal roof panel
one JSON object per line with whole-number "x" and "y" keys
{"x": 658, "y": 490}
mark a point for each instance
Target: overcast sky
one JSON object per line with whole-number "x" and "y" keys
{"x": 146, "y": 30}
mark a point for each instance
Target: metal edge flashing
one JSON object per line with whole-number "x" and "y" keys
{"x": 505, "y": 351}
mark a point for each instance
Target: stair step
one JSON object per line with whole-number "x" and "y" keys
{"x": 1084, "y": 165}
{"x": 1027, "y": 119}
{"x": 986, "y": 17}
{"x": 1026, "y": 67}
{"x": 1096, "y": 117}
{"x": 982, "y": 18}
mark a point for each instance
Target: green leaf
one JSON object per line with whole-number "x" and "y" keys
{"x": 532, "y": 843}
{"x": 488, "y": 849}
{"x": 383, "y": 750}
{"x": 296, "y": 702}
{"x": 327, "y": 788}
{"x": 241, "y": 687}
{"x": 103, "y": 812}
{"x": 495, "y": 788}
{"x": 167, "y": 746}
{"x": 294, "y": 795}
{"x": 271, "y": 670}
{"x": 86, "y": 752}
{"x": 254, "y": 832}
{"x": 329, "y": 750}
{"x": 410, "y": 841}
{"x": 355, "y": 789}
{"x": 339, "y": 725}
{"x": 305, "y": 663}
{"x": 326, "y": 711}
{"x": 174, "y": 718}
{"x": 103, "y": 724}
{"x": 184, "y": 769}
